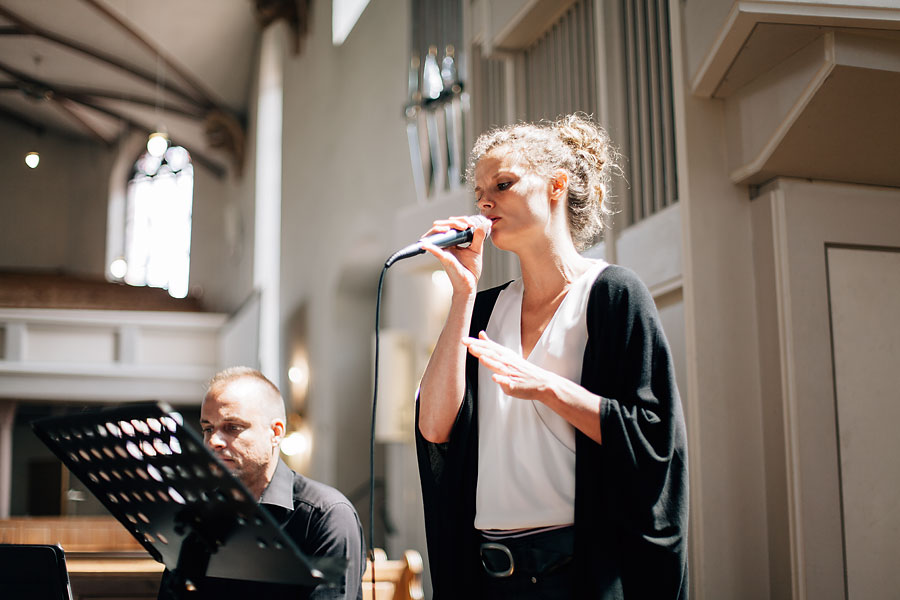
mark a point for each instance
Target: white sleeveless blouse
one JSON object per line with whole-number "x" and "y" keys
{"x": 526, "y": 452}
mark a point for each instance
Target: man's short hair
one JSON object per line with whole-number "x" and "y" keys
{"x": 230, "y": 374}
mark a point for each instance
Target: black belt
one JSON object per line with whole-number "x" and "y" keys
{"x": 536, "y": 554}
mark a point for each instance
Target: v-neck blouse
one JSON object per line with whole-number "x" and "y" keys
{"x": 526, "y": 451}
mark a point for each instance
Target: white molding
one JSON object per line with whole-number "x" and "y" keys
{"x": 14, "y": 340}
{"x": 697, "y": 526}
{"x": 53, "y": 382}
{"x": 789, "y": 394}
{"x": 114, "y": 318}
{"x": 668, "y": 286}
{"x": 88, "y": 369}
{"x": 799, "y": 105}
{"x": 529, "y": 23}
{"x": 108, "y": 356}
{"x": 745, "y": 16}
{"x": 653, "y": 247}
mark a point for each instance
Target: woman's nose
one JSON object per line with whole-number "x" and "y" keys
{"x": 484, "y": 203}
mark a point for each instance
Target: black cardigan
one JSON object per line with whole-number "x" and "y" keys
{"x": 631, "y": 492}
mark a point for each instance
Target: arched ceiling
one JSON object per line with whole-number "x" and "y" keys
{"x": 99, "y": 68}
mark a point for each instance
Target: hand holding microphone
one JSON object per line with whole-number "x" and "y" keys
{"x": 445, "y": 234}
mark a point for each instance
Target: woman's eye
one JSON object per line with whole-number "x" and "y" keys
{"x": 504, "y": 185}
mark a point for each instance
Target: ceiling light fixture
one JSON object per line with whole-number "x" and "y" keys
{"x": 32, "y": 159}
{"x": 157, "y": 143}
{"x": 118, "y": 268}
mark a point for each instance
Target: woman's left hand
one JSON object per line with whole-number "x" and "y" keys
{"x": 516, "y": 376}
{"x": 521, "y": 379}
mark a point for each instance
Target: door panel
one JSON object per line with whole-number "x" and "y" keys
{"x": 864, "y": 293}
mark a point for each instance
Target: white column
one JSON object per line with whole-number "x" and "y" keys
{"x": 7, "y": 417}
{"x": 267, "y": 222}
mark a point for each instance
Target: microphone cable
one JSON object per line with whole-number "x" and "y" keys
{"x": 372, "y": 432}
{"x": 443, "y": 240}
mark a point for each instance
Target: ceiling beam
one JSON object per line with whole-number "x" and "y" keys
{"x": 65, "y": 105}
{"x": 191, "y": 112}
{"x": 187, "y": 77}
{"x": 196, "y": 155}
{"x": 45, "y": 91}
{"x": 134, "y": 70}
{"x": 79, "y": 92}
{"x": 26, "y": 84}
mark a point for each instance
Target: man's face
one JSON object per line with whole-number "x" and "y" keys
{"x": 238, "y": 430}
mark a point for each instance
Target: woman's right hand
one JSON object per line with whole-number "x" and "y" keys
{"x": 463, "y": 265}
{"x": 443, "y": 382}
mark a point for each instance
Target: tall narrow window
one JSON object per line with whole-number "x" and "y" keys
{"x": 344, "y": 15}
{"x": 158, "y": 222}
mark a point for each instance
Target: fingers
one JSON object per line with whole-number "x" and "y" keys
{"x": 480, "y": 224}
{"x": 482, "y": 230}
{"x": 447, "y": 256}
{"x": 497, "y": 358}
{"x": 506, "y": 384}
{"x": 483, "y": 345}
{"x": 458, "y": 223}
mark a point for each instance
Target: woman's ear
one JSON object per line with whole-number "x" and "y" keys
{"x": 559, "y": 184}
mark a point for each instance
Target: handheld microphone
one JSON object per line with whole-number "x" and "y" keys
{"x": 447, "y": 239}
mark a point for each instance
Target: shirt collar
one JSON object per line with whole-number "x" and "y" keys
{"x": 280, "y": 491}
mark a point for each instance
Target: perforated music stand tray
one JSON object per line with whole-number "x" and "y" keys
{"x": 177, "y": 499}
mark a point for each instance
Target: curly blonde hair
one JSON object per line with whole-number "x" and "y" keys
{"x": 573, "y": 143}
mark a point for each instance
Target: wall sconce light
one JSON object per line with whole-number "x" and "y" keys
{"x": 32, "y": 159}
{"x": 297, "y": 445}
{"x": 298, "y": 375}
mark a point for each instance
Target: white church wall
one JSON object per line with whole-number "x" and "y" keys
{"x": 52, "y": 217}
{"x": 346, "y": 173}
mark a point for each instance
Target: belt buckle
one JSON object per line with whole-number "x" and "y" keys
{"x": 502, "y": 548}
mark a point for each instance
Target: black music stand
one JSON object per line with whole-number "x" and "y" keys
{"x": 177, "y": 499}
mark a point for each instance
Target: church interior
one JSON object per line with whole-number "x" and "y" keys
{"x": 188, "y": 186}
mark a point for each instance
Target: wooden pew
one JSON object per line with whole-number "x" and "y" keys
{"x": 399, "y": 579}
{"x": 101, "y": 556}
{"x": 103, "y": 559}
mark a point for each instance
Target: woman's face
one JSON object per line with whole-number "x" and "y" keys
{"x": 513, "y": 196}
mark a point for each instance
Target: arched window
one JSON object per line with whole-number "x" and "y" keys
{"x": 157, "y": 241}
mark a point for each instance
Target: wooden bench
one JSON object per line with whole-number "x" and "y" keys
{"x": 394, "y": 579}
{"x": 103, "y": 559}
{"x": 74, "y": 534}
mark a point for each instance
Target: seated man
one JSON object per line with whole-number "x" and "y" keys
{"x": 243, "y": 422}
